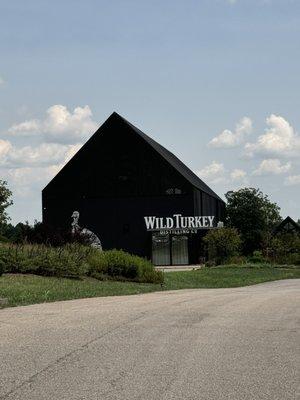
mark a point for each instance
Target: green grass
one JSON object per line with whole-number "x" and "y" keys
{"x": 228, "y": 276}
{"x": 30, "y": 289}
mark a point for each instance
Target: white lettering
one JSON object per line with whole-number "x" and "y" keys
{"x": 162, "y": 226}
{"x": 183, "y": 221}
{"x": 170, "y": 223}
{"x": 204, "y": 219}
{"x": 177, "y": 216}
{"x": 149, "y": 222}
{"x": 191, "y": 222}
{"x": 211, "y": 220}
{"x": 179, "y": 222}
{"x": 157, "y": 223}
{"x": 198, "y": 223}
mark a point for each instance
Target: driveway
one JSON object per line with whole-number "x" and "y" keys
{"x": 240, "y": 343}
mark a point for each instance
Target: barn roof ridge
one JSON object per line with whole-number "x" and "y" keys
{"x": 185, "y": 171}
{"x": 287, "y": 220}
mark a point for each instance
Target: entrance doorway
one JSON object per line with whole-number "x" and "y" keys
{"x": 170, "y": 249}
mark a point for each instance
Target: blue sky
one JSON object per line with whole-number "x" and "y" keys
{"x": 215, "y": 81}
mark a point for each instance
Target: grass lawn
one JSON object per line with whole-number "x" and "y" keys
{"x": 30, "y": 289}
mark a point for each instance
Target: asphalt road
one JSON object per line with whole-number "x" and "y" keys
{"x": 215, "y": 344}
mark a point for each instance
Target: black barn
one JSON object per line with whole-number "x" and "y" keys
{"x": 134, "y": 195}
{"x": 288, "y": 225}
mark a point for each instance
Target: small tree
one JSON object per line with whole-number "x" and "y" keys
{"x": 221, "y": 244}
{"x": 253, "y": 215}
{"x": 285, "y": 248}
{"x": 5, "y": 201}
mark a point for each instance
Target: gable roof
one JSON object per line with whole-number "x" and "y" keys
{"x": 286, "y": 221}
{"x": 189, "y": 175}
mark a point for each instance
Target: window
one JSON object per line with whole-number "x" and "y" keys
{"x": 173, "y": 191}
{"x": 123, "y": 178}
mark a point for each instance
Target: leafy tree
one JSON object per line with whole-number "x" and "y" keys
{"x": 285, "y": 248}
{"x": 40, "y": 233}
{"x": 221, "y": 244}
{"x": 5, "y": 201}
{"x": 253, "y": 215}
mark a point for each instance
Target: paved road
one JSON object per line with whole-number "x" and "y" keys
{"x": 215, "y": 344}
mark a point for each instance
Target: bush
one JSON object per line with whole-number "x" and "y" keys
{"x": 221, "y": 244}
{"x": 210, "y": 264}
{"x": 119, "y": 264}
{"x": 258, "y": 258}
{"x": 68, "y": 261}
{"x": 285, "y": 249}
{"x": 74, "y": 261}
{"x": 236, "y": 260}
{"x": 292, "y": 259}
{"x": 3, "y": 239}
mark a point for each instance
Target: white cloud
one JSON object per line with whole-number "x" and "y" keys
{"x": 272, "y": 166}
{"x": 279, "y": 140}
{"x": 216, "y": 173}
{"x": 1, "y": 81}
{"x": 292, "y": 180}
{"x": 65, "y": 127}
{"x": 35, "y": 156}
{"x": 238, "y": 175}
{"x": 40, "y": 148}
{"x": 213, "y": 173}
{"x": 227, "y": 138}
{"x": 5, "y": 147}
{"x": 26, "y": 181}
{"x": 26, "y": 128}
{"x": 238, "y": 178}
{"x": 59, "y": 126}
{"x": 29, "y": 169}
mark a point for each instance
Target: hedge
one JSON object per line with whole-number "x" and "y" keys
{"x": 75, "y": 261}
{"x": 119, "y": 264}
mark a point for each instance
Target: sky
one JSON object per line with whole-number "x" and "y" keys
{"x": 215, "y": 81}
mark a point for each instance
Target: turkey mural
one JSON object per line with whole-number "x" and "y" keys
{"x": 91, "y": 237}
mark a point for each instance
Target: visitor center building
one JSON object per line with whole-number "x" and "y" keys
{"x": 135, "y": 195}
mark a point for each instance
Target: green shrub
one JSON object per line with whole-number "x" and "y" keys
{"x": 3, "y": 239}
{"x": 210, "y": 264}
{"x": 119, "y": 264}
{"x": 75, "y": 260}
{"x": 67, "y": 261}
{"x": 285, "y": 249}
{"x": 236, "y": 260}
{"x": 221, "y": 244}
{"x": 258, "y": 258}
{"x": 293, "y": 259}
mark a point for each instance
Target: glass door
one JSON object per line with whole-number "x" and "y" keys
{"x": 161, "y": 249}
{"x": 180, "y": 254}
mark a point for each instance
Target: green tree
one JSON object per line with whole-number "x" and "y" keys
{"x": 253, "y": 215}
{"x": 221, "y": 244}
{"x": 5, "y": 201}
{"x": 285, "y": 248}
